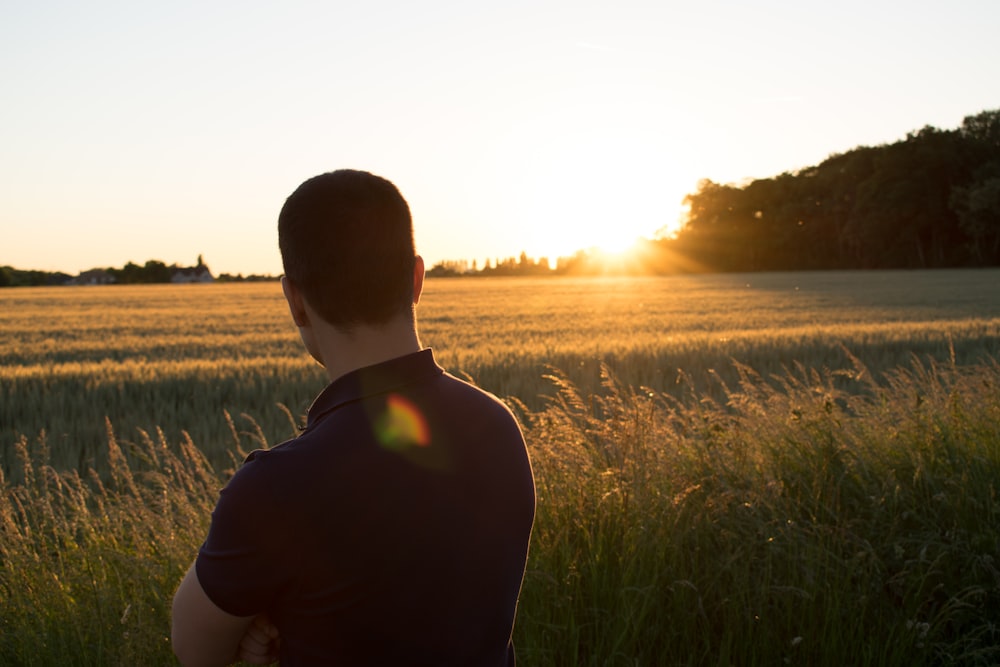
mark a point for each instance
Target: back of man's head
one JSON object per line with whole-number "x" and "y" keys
{"x": 346, "y": 241}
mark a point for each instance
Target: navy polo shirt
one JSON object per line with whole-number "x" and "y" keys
{"x": 393, "y": 530}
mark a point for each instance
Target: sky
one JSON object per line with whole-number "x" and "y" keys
{"x": 132, "y": 131}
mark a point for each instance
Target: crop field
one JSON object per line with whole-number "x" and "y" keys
{"x": 750, "y": 469}
{"x": 182, "y": 357}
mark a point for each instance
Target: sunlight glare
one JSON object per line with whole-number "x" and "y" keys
{"x": 589, "y": 187}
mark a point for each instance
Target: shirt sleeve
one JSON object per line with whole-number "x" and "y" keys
{"x": 242, "y": 564}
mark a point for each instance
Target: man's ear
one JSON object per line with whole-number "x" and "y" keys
{"x": 418, "y": 278}
{"x": 295, "y": 303}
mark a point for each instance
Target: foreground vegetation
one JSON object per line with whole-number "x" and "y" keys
{"x": 801, "y": 524}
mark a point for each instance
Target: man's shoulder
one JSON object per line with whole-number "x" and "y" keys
{"x": 467, "y": 390}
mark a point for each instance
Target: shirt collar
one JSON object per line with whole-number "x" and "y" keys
{"x": 373, "y": 380}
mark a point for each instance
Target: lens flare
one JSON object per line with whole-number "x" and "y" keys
{"x": 402, "y": 425}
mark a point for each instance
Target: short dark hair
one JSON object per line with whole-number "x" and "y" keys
{"x": 346, "y": 241}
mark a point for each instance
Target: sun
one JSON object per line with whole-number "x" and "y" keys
{"x": 563, "y": 240}
{"x": 617, "y": 245}
{"x": 584, "y": 169}
{"x": 587, "y": 211}
{"x": 594, "y": 187}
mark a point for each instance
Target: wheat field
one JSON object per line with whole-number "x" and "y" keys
{"x": 769, "y": 469}
{"x": 182, "y": 357}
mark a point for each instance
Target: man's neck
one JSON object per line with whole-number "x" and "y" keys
{"x": 346, "y": 351}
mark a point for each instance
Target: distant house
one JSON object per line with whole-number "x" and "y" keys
{"x": 191, "y": 274}
{"x": 199, "y": 273}
{"x": 93, "y": 277}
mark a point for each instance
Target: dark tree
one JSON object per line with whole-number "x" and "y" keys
{"x": 155, "y": 271}
{"x": 977, "y": 206}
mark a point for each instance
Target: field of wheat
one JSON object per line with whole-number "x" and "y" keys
{"x": 738, "y": 469}
{"x": 183, "y": 357}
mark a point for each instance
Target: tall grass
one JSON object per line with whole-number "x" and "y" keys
{"x": 815, "y": 517}
{"x": 89, "y": 562}
{"x": 88, "y": 565}
{"x": 793, "y": 523}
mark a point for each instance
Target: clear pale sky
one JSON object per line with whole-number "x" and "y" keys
{"x": 132, "y": 131}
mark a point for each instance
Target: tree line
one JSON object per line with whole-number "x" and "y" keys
{"x": 931, "y": 200}
{"x": 11, "y": 277}
{"x": 151, "y": 272}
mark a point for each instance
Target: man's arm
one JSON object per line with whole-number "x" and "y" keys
{"x": 201, "y": 633}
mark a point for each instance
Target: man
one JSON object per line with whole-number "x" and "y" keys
{"x": 394, "y": 529}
